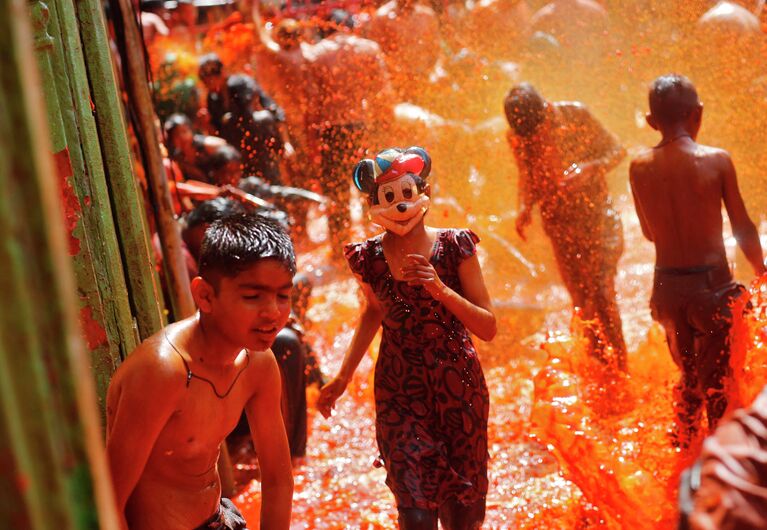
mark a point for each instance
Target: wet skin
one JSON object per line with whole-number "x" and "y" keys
{"x": 163, "y": 435}
{"x": 679, "y": 187}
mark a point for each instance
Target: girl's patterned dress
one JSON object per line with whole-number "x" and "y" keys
{"x": 430, "y": 393}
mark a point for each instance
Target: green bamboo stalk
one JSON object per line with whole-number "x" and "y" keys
{"x": 47, "y": 398}
{"x": 127, "y": 199}
{"x": 170, "y": 237}
{"x": 104, "y": 309}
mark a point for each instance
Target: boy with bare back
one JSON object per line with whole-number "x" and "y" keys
{"x": 679, "y": 187}
{"x": 173, "y": 401}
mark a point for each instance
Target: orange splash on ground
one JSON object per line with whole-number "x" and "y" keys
{"x": 571, "y": 445}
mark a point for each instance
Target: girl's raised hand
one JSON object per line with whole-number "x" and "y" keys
{"x": 417, "y": 270}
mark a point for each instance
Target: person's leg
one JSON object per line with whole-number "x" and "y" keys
{"x": 455, "y": 515}
{"x": 712, "y": 319}
{"x": 581, "y": 276}
{"x": 609, "y": 317}
{"x": 417, "y": 519}
{"x": 667, "y": 309}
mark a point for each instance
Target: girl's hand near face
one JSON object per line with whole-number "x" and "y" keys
{"x": 417, "y": 270}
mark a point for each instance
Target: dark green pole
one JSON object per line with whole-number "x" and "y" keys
{"x": 105, "y": 315}
{"x": 135, "y": 75}
{"x": 127, "y": 198}
{"x": 51, "y": 437}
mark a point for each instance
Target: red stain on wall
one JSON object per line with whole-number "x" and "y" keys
{"x": 94, "y": 333}
{"x": 69, "y": 202}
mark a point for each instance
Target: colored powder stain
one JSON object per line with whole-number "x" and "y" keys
{"x": 94, "y": 333}
{"x": 571, "y": 446}
{"x": 68, "y": 198}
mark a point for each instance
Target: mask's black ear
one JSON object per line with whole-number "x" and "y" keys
{"x": 420, "y": 151}
{"x": 364, "y": 175}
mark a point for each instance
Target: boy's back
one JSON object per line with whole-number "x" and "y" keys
{"x": 679, "y": 188}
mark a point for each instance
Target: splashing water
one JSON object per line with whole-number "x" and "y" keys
{"x": 572, "y": 446}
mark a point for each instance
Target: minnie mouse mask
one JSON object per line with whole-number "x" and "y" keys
{"x": 392, "y": 182}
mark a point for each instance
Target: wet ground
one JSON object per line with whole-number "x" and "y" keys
{"x": 570, "y": 445}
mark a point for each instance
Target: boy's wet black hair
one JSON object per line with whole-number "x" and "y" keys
{"x": 241, "y": 88}
{"x": 525, "y": 109}
{"x": 175, "y": 120}
{"x": 672, "y": 99}
{"x": 237, "y": 242}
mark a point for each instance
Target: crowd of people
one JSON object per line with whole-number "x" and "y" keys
{"x": 250, "y": 147}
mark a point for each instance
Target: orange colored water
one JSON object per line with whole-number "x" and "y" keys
{"x": 570, "y": 446}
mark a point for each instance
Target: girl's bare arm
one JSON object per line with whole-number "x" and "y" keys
{"x": 474, "y": 308}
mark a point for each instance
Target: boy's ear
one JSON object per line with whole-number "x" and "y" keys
{"x": 698, "y": 113}
{"x": 651, "y": 121}
{"x": 202, "y": 293}
{"x": 427, "y": 190}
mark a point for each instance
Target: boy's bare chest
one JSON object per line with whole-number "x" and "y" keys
{"x": 199, "y": 425}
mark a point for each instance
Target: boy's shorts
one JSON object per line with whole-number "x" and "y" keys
{"x": 227, "y": 517}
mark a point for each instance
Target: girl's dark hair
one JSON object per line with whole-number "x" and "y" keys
{"x": 236, "y": 242}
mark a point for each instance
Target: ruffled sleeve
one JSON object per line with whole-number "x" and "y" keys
{"x": 465, "y": 243}
{"x": 355, "y": 255}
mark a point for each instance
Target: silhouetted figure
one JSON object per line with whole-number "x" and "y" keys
{"x": 253, "y": 132}
{"x": 299, "y": 368}
{"x": 563, "y": 154}
{"x": 211, "y": 73}
{"x": 191, "y": 151}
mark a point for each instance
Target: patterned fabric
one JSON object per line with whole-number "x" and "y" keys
{"x": 731, "y": 490}
{"x": 431, "y": 399}
{"x": 228, "y": 517}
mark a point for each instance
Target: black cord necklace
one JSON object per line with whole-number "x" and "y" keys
{"x": 190, "y": 375}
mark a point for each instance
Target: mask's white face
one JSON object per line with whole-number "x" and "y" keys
{"x": 400, "y": 207}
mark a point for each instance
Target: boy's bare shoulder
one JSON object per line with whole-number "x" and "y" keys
{"x": 262, "y": 370}
{"x": 642, "y": 160}
{"x": 153, "y": 363}
{"x": 263, "y": 360}
{"x": 712, "y": 152}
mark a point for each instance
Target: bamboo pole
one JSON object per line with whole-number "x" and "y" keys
{"x": 127, "y": 199}
{"x": 105, "y": 316}
{"x": 170, "y": 238}
{"x": 47, "y": 398}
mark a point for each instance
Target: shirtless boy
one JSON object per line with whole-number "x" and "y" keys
{"x": 679, "y": 187}
{"x": 174, "y": 400}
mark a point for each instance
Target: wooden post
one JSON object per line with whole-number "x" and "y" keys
{"x": 135, "y": 71}
{"x": 51, "y": 438}
{"x": 127, "y": 199}
{"x": 105, "y": 315}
